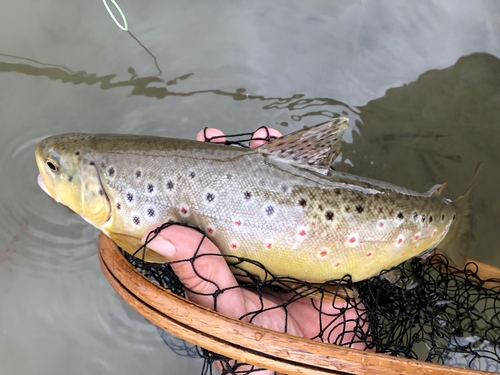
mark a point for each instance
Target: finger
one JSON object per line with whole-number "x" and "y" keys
{"x": 260, "y": 136}
{"x": 209, "y": 133}
{"x": 203, "y": 276}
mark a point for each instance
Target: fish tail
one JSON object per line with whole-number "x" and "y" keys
{"x": 456, "y": 244}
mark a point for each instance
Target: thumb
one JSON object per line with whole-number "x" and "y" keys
{"x": 200, "y": 267}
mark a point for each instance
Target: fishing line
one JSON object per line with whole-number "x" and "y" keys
{"x": 124, "y": 19}
{"x": 125, "y": 28}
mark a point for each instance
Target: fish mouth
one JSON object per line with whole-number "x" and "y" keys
{"x": 41, "y": 183}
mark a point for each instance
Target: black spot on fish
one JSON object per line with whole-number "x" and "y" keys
{"x": 442, "y": 217}
{"x": 320, "y": 207}
{"x": 151, "y": 212}
{"x": 118, "y": 206}
{"x": 111, "y": 171}
{"x": 247, "y": 195}
{"x": 150, "y": 188}
{"x": 337, "y": 191}
{"x": 284, "y": 188}
{"x": 303, "y": 202}
{"x": 77, "y": 153}
{"x": 269, "y": 210}
{"x": 329, "y": 215}
{"x": 453, "y": 218}
{"x": 170, "y": 185}
{"x": 423, "y": 218}
{"x": 192, "y": 175}
{"x": 347, "y": 208}
{"x": 70, "y": 178}
{"x": 101, "y": 192}
{"x": 360, "y": 209}
{"x": 430, "y": 219}
{"x": 210, "y": 197}
{"x": 400, "y": 215}
{"x": 380, "y": 210}
{"x": 130, "y": 197}
{"x": 415, "y": 216}
{"x": 137, "y": 221}
{"x": 138, "y": 174}
{"x": 91, "y": 163}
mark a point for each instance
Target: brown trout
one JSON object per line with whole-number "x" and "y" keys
{"x": 280, "y": 204}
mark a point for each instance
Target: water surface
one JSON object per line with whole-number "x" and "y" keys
{"x": 420, "y": 83}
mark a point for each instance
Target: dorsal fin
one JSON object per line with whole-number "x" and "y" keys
{"x": 313, "y": 148}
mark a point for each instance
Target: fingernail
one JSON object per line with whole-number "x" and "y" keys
{"x": 162, "y": 246}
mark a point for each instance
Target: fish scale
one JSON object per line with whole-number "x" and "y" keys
{"x": 282, "y": 209}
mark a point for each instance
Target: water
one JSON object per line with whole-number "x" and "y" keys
{"x": 420, "y": 83}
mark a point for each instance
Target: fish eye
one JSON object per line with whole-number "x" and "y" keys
{"x": 52, "y": 165}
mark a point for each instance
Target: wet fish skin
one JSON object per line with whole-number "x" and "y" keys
{"x": 296, "y": 222}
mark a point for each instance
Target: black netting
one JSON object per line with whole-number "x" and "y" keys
{"x": 433, "y": 312}
{"x": 447, "y": 317}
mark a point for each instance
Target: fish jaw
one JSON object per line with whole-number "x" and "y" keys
{"x": 69, "y": 176}
{"x": 42, "y": 185}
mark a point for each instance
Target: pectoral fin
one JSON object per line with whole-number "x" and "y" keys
{"x": 314, "y": 148}
{"x": 132, "y": 244}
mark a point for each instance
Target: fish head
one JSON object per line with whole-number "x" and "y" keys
{"x": 69, "y": 175}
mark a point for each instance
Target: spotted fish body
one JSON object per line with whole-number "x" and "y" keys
{"x": 295, "y": 217}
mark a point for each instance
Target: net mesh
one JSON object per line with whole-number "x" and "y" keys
{"x": 432, "y": 311}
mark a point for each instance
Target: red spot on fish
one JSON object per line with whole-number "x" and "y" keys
{"x": 353, "y": 239}
{"x": 184, "y": 210}
{"x": 237, "y": 223}
{"x": 434, "y": 232}
{"x": 380, "y": 224}
{"x": 323, "y": 253}
{"x": 302, "y": 232}
{"x": 399, "y": 240}
{"x": 337, "y": 264}
{"x": 415, "y": 237}
{"x": 269, "y": 245}
{"x": 234, "y": 245}
{"x": 414, "y": 247}
{"x": 210, "y": 230}
{"x": 369, "y": 254}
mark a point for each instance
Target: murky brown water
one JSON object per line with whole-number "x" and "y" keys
{"x": 420, "y": 83}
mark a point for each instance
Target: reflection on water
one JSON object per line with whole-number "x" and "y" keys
{"x": 237, "y": 68}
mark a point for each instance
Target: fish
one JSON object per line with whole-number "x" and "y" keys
{"x": 281, "y": 205}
